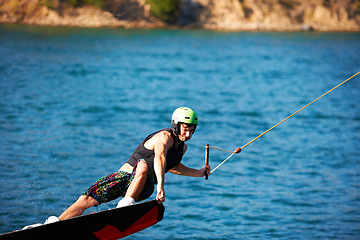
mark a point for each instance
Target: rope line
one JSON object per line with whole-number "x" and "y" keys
{"x": 221, "y": 149}
{"x": 280, "y": 122}
{"x": 222, "y": 162}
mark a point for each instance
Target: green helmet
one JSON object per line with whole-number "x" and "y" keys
{"x": 183, "y": 115}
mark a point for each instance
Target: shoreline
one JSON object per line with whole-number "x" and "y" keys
{"x": 190, "y": 28}
{"x": 321, "y": 20}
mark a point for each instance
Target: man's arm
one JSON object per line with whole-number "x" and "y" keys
{"x": 163, "y": 143}
{"x": 181, "y": 169}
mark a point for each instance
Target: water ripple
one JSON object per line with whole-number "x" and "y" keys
{"x": 74, "y": 103}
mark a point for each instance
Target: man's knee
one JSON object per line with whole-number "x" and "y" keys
{"x": 142, "y": 168}
{"x": 87, "y": 201}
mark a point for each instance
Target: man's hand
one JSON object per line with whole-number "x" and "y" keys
{"x": 205, "y": 169}
{"x": 160, "y": 197}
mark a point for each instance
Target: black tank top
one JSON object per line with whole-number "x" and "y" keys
{"x": 173, "y": 156}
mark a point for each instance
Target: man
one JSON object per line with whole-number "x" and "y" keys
{"x": 157, "y": 154}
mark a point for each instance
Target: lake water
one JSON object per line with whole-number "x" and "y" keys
{"x": 74, "y": 104}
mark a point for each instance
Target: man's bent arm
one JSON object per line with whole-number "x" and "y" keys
{"x": 181, "y": 169}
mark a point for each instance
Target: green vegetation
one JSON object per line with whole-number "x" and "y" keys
{"x": 96, "y": 3}
{"x": 48, "y": 3}
{"x": 358, "y": 7}
{"x": 56, "y": 4}
{"x": 165, "y": 10}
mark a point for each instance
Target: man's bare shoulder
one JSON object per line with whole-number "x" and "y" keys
{"x": 164, "y": 133}
{"x": 163, "y": 137}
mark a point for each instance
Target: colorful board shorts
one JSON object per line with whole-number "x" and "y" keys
{"x": 115, "y": 185}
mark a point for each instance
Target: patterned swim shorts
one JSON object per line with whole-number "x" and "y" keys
{"x": 115, "y": 185}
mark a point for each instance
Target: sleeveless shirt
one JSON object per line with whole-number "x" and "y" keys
{"x": 173, "y": 156}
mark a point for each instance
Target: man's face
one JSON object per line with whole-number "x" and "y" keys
{"x": 186, "y": 132}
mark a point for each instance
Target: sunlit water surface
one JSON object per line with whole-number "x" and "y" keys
{"x": 74, "y": 103}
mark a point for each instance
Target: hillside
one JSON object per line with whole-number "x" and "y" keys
{"x": 227, "y": 15}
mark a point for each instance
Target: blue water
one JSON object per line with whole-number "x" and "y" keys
{"x": 74, "y": 103}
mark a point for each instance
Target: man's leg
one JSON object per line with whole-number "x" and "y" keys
{"x": 138, "y": 183}
{"x": 83, "y": 203}
{"x": 136, "y": 186}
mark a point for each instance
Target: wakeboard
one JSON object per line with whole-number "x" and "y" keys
{"x": 105, "y": 225}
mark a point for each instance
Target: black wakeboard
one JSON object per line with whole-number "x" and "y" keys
{"x": 105, "y": 225}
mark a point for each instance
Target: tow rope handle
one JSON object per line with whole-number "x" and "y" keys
{"x": 206, "y": 160}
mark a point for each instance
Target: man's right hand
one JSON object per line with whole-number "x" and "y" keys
{"x": 160, "y": 197}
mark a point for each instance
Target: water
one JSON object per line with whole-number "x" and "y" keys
{"x": 74, "y": 103}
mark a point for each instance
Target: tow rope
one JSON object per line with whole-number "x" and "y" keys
{"x": 238, "y": 150}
